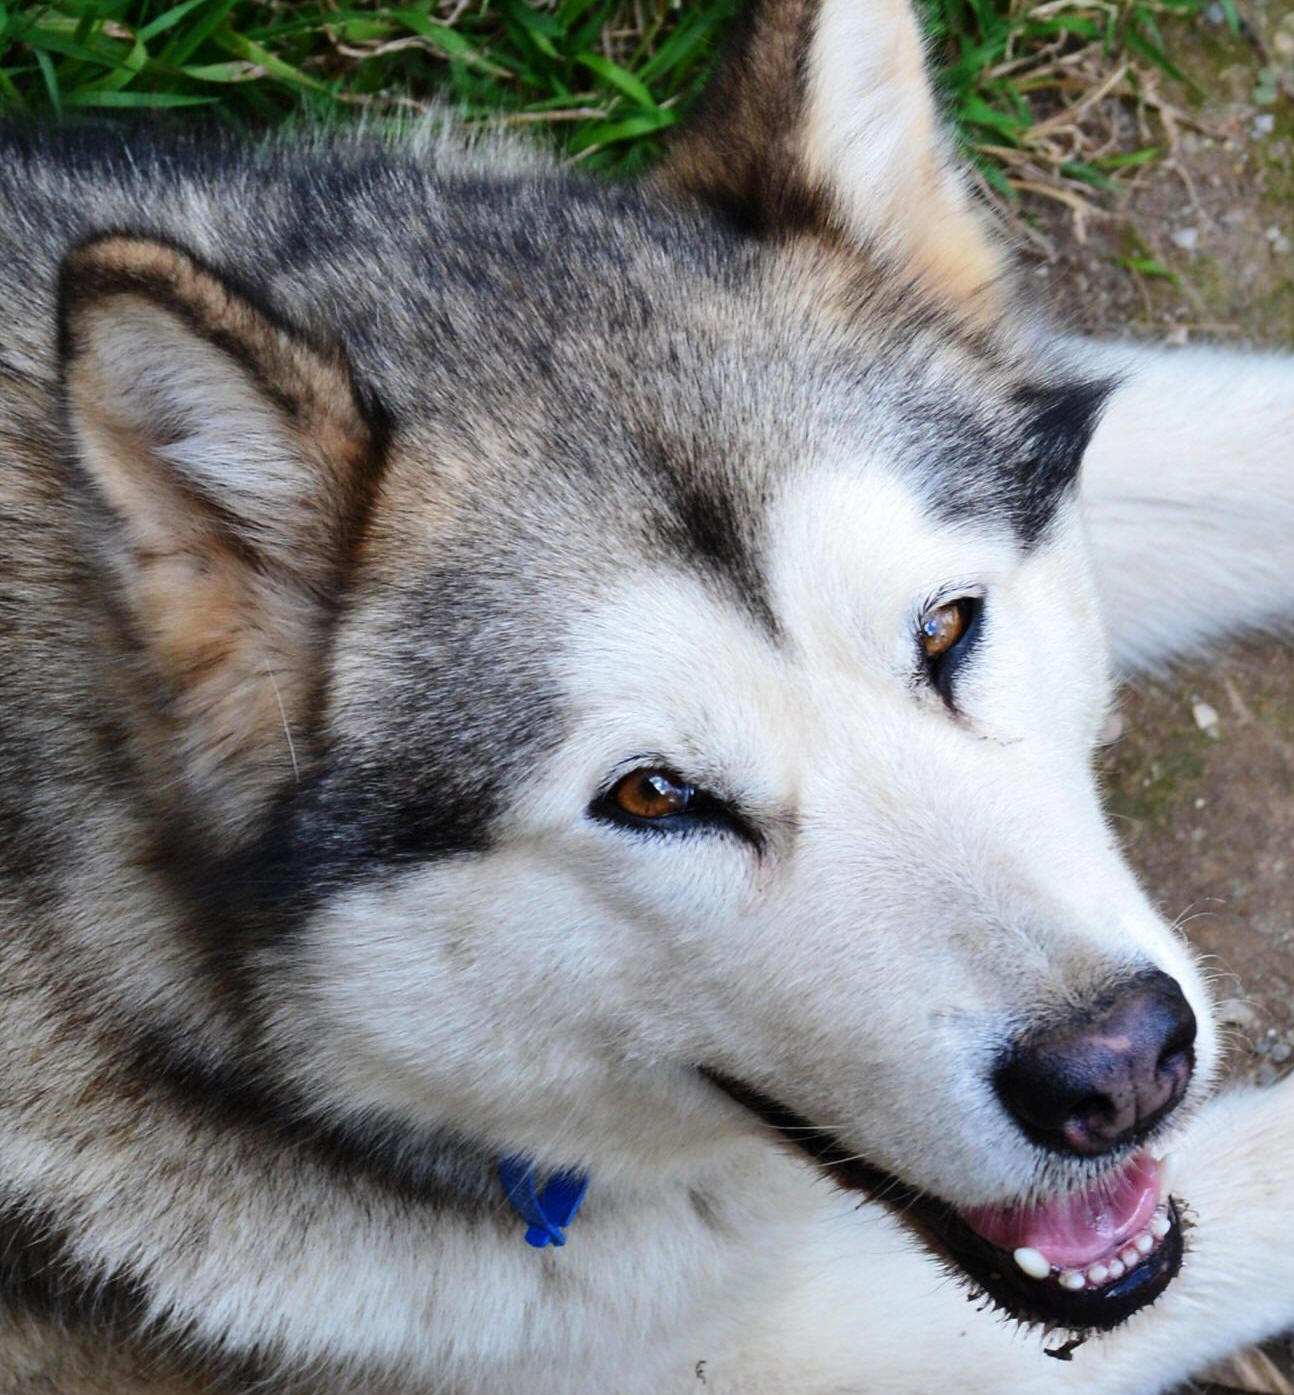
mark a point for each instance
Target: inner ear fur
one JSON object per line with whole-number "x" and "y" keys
{"x": 820, "y": 119}
{"x": 234, "y": 461}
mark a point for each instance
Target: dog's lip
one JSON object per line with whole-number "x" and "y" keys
{"x": 946, "y": 1233}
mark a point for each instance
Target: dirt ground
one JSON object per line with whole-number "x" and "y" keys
{"x": 1202, "y": 776}
{"x": 1201, "y": 780}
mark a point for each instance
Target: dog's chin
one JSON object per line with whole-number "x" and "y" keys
{"x": 1096, "y": 1281}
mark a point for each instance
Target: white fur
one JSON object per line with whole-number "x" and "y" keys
{"x": 1188, "y": 487}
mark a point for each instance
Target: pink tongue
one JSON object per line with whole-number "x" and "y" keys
{"x": 1075, "y": 1231}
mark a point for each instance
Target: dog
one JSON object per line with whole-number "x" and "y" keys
{"x": 549, "y": 831}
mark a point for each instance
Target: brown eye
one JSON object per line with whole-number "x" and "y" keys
{"x": 651, "y": 794}
{"x": 943, "y": 626}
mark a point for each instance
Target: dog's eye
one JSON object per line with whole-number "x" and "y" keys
{"x": 655, "y": 798}
{"x": 651, "y": 794}
{"x": 946, "y": 633}
{"x": 943, "y": 625}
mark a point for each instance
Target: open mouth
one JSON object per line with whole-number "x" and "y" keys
{"x": 1085, "y": 1261}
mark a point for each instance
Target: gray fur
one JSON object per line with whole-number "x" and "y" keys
{"x": 562, "y": 389}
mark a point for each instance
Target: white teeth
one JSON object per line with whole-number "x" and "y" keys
{"x": 1167, "y": 1166}
{"x": 1033, "y": 1262}
{"x": 1037, "y": 1266}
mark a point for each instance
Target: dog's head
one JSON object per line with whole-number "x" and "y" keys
{"x": 627, "y": 676}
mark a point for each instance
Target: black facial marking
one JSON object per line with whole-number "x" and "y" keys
{"x": 703, "y": 523}
{"x": 356, "y": 819}
{"x": 1059, "y": 421}
{"x": 425, "y": 1167}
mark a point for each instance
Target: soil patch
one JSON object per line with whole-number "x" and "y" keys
{"x": 1201, "y": 780}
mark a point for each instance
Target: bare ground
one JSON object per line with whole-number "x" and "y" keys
{"x": 1202, "y": 778}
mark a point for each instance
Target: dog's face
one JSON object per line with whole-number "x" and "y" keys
{"x": 759, "y": 829}
{"x": 689, "y": 720}
{"x": 778, "y": 841}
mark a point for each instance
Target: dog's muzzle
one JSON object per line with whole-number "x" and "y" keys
{"x": 1098, "y": 1083}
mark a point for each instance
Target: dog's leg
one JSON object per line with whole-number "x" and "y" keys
{"x": 1189, "y": 492}
{"x": 871, "y": 1315}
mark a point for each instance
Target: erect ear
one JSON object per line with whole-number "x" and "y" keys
{"x": 820, "y": 118}
{"x": 235, "y": 460}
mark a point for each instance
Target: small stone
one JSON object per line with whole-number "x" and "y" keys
{"x": 1282, "y": 1051}
{"x": 1186, "y": 238}
{"x": 1200, "y": 801}
{"x": 1214, "y": 14}
{"x": 1264, "y": 125}
{"x": 1262, "y": 1046}
{"x": 1206, "y": 718}
{"x": 1235, "y": 1012}
{"x": 1265, "y": 1074}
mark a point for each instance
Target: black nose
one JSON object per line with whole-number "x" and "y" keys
{"x": 1106, "y": 1075}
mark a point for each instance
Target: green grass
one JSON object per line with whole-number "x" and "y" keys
{"x": 1006, "y": 66}
{"x": 604, "y": 80}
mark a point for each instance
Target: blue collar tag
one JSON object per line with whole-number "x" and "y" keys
{"x": 547, "y": 1211}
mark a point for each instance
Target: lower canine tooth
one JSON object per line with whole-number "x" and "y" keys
{"x": 1073, "y": 1280}
{"x": 1160, "y": 1225}
{"x": 1144, "y": 1244}
{"x": 1033, "y": 1262}
{"x": 1097, "y": 1274}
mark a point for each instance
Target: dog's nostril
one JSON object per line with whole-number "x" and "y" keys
{"x": 1105, "y": 1075}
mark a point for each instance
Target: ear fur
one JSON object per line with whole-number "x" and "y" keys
{"x": 236, "y": 462}
{"x": 820, "y": 119}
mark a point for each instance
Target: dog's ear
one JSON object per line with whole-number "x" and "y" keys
{"x": 820, "y": 118}
{"x": 233, "y": 461}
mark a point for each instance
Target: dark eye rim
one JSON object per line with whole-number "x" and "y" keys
{"x": 941, "y": 670}
{"x": 705, "y": 812}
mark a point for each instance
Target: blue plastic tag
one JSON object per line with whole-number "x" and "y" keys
{"x": 546, "y": 1211}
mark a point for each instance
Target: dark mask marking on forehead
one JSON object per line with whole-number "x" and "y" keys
{"x": 703, "y": 526}
{"x": 709, "y": 517}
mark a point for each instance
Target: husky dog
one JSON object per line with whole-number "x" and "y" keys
{"x": 518, "y": 690}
